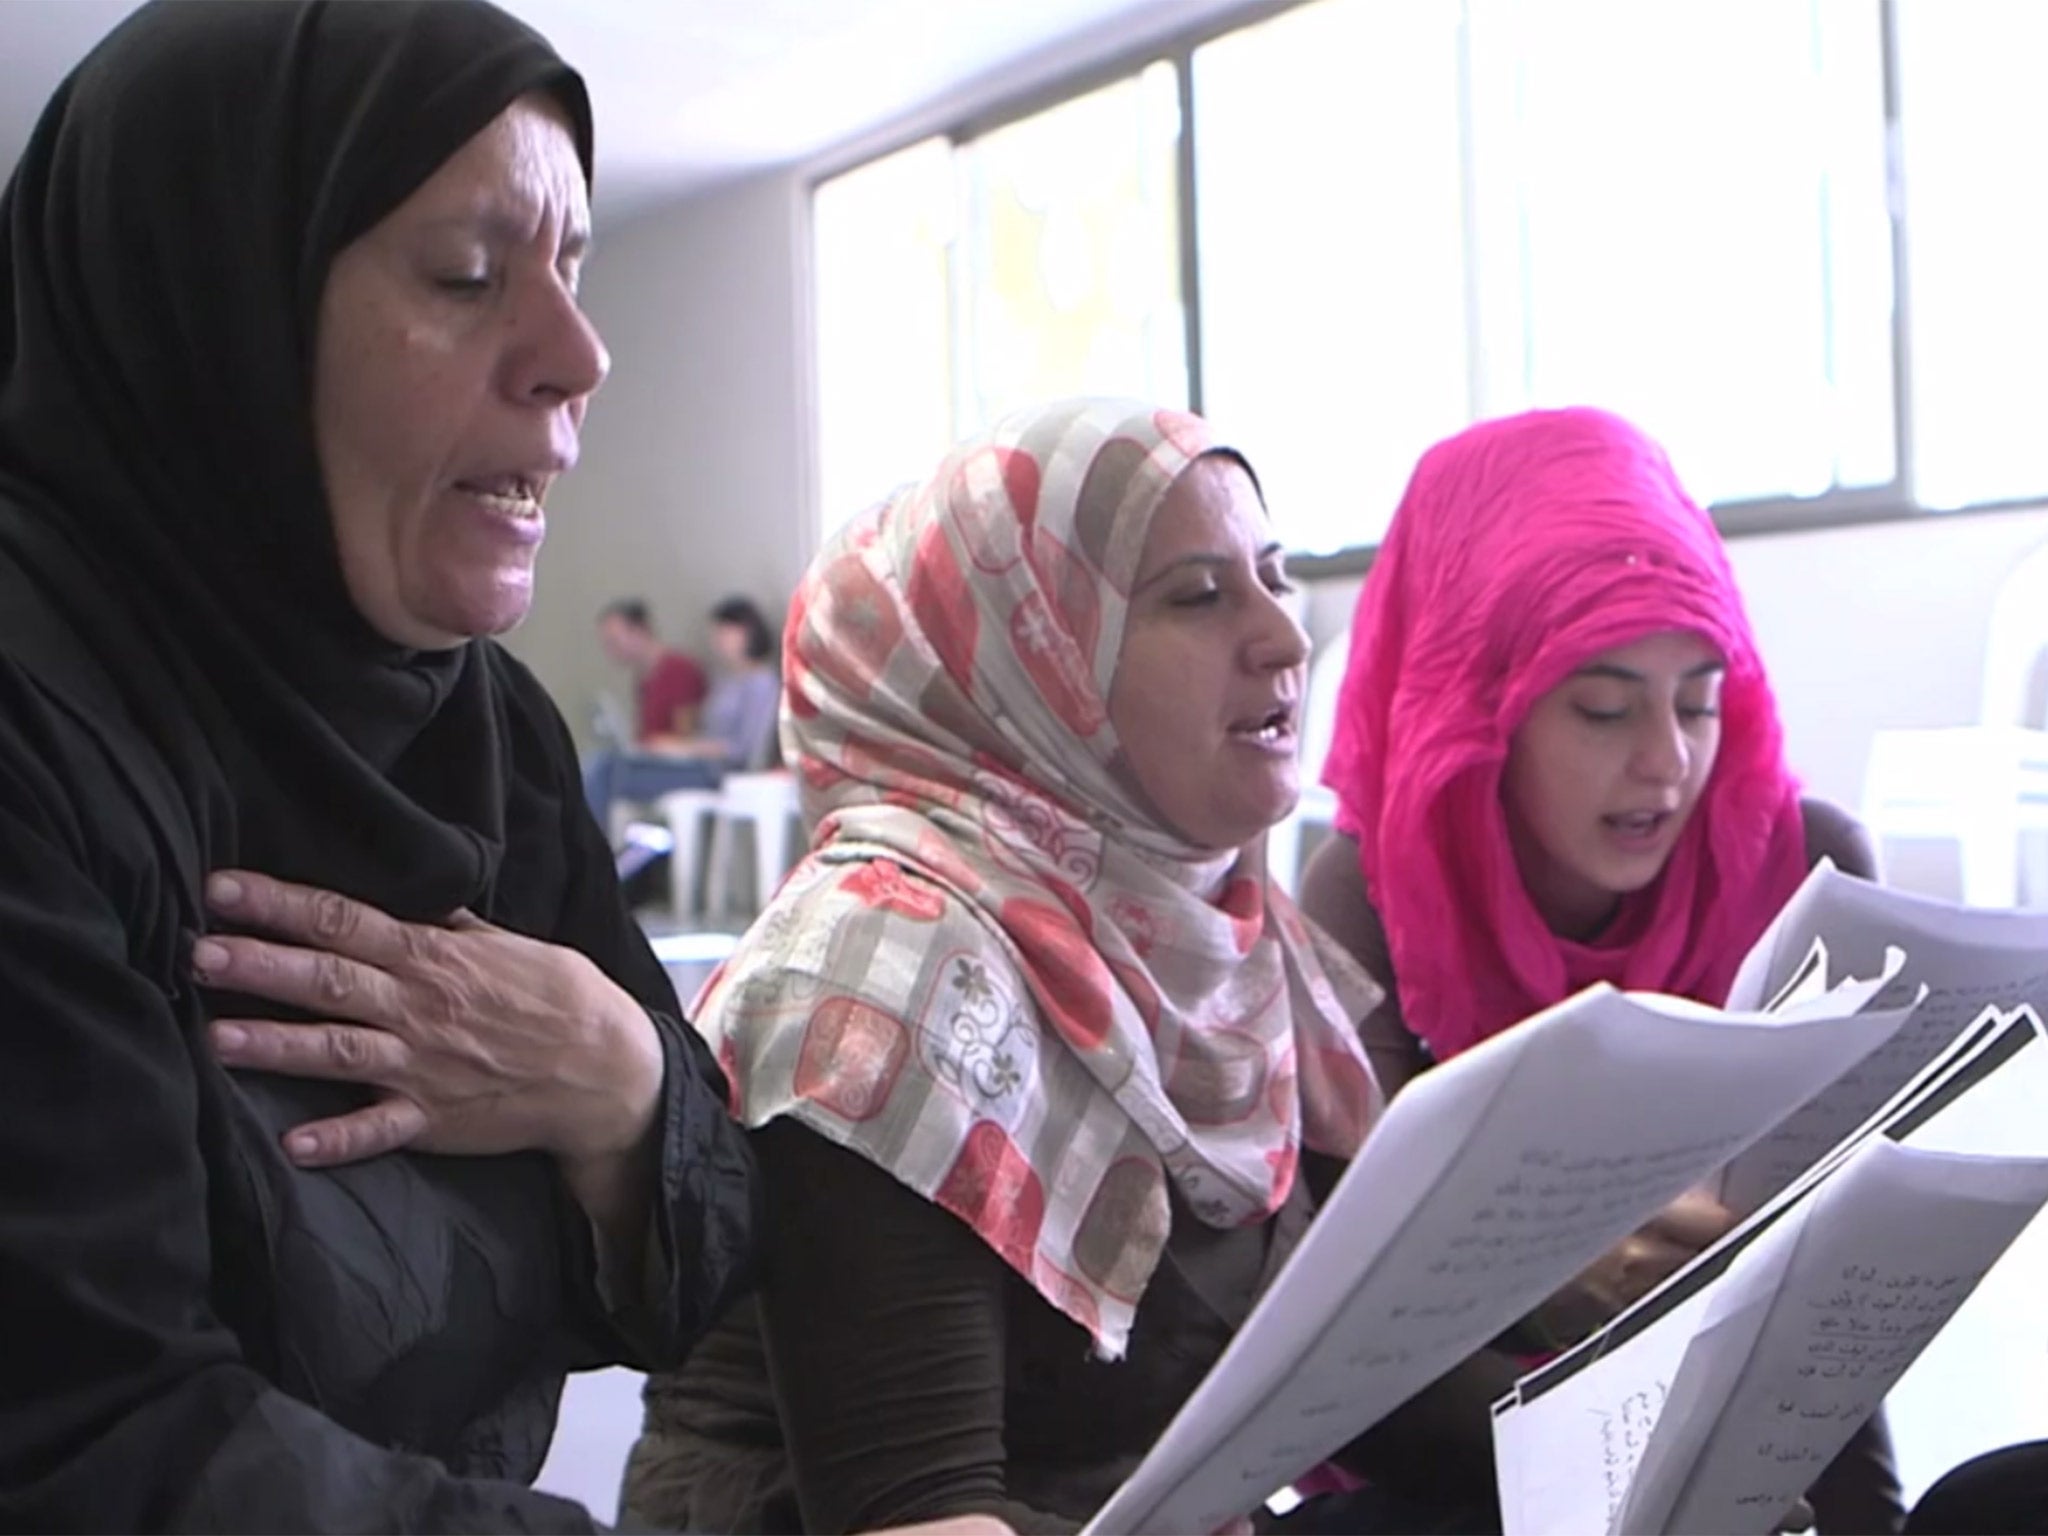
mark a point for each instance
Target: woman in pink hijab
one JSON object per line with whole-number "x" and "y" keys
{"x": 1558, "y": 761}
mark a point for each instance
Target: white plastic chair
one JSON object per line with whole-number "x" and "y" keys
{"x": 1984, "y": 786}
{"x": 762, "y": 796}
{"x": 687, "y": 812}
{"x": 764, "y": 802}
{"x": 1317, "y": 806}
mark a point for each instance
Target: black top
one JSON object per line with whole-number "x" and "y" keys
{"x": 198, "y": 1334}
{"x": 892, "y": 1369}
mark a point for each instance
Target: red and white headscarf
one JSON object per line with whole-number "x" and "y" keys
{"x": 998, "y": 975}
{"x": 1523, "y": 548}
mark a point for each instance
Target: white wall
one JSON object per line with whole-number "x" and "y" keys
{"x": 595, "y": 1429}
{"x": 694, "y": 481}
{"x": 1876, "y": 626}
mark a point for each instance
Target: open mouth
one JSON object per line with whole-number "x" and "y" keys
{"x": 1639, "y": 826}
{"x": 1275, "y": 728}
{"x": 513, "y": 495}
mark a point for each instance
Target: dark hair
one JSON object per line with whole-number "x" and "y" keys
{"x": 742, "y": 614}
{"x": 630, "y": 611}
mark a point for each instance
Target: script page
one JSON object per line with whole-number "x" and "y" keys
{"x": 1967, "y": 958}
{"x": 1489, "y": 1183}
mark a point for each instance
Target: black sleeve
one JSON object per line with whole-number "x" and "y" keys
{"x": 1832, "y": 833}
{"x": 707, "y": 1211}
{"x": 1439, "y": 1444}
{"x": 1333, "y": 897}
{"x": 704, "y": 1222}
{"x": 883, "y": 1318}
{"x": 125, "y": 1403}
{"x": 1858, "y": 1493}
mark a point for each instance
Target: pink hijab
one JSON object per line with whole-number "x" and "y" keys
{"x": 1523, "y": 548}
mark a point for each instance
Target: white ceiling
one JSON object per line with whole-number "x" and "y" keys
{"x": 691, "y": 92}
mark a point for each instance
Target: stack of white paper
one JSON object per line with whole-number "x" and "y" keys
{"x": 1488, "y": 1183}
{"x": 1715, "y": 1402}
{"x": 1968, "y": 958}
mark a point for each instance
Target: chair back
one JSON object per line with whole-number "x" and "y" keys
{"x": 2014, "y": 642}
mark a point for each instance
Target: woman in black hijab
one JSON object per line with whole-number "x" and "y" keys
{"x": 342, "y": 1107}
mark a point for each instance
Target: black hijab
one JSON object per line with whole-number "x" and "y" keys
{"x": 167, "y": 237}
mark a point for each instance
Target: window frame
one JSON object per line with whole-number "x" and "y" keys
{"x": 1836, "y": 508}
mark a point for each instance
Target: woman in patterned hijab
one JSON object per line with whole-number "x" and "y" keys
{"x": 1038, "y": 1048}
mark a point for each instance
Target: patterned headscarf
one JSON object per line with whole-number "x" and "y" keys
{"x": 1522, "y": 549}
{"x": 1000, "y": 975}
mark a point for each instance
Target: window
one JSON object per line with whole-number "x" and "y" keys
{"x": 1330, "y": 225}
{"x": 1330, "y": 220}
{"x": 957, "y": 282}
{"x": 884, "y": 329}
{"x": 1974, "y": 134}
{"x": 1391, "y": 220}
{"x": 1682, "y": 217}
{"x": 1411, "y": 217}
{"x": 1070, "y": 280}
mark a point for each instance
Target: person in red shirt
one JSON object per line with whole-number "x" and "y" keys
{"x": 670, "y": 689}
